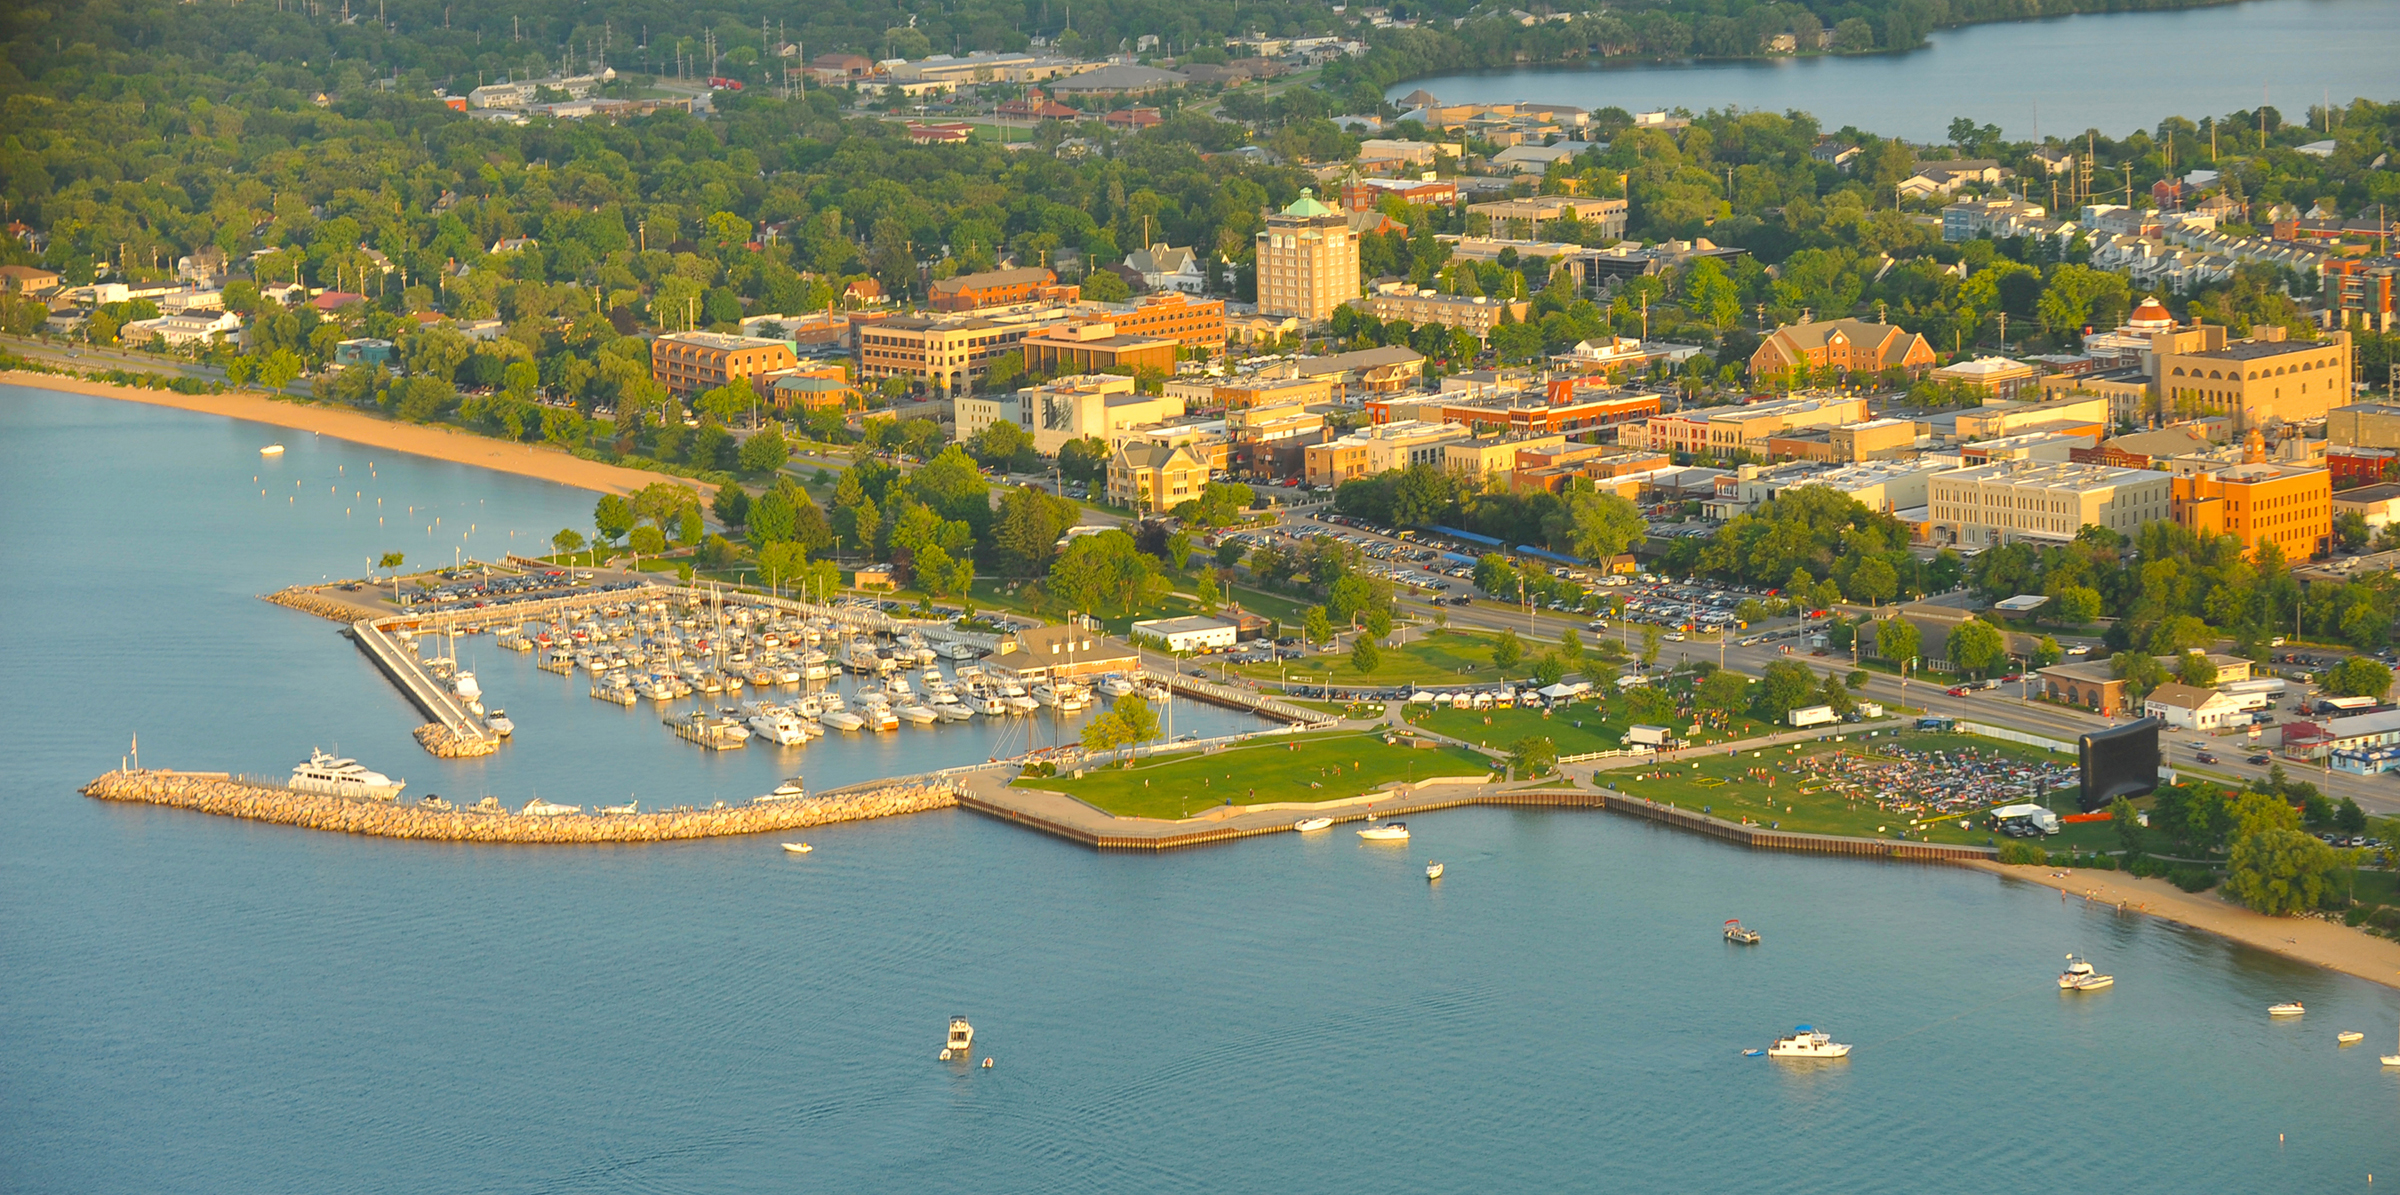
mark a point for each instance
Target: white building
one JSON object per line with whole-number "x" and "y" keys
{"x": 1195, "y": 633}
{"x": 2189, "y": 708}
{"x": 178, "y": 330}
{"x": 1165, "y": 267}
{"x": 2011, "y": 500}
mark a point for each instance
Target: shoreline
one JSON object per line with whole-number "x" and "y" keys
{"x": 2327, "y": 944}
{"x": 432, "y": 441}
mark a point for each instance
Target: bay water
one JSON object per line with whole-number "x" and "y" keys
{"x": 2114, "y": 72}
{"x": 198, "y": 1004}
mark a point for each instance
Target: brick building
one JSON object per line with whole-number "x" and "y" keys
{"x": 1850, "y": 345}
{"x": 1000, "y": 288}
{"x": 690, "y": 362}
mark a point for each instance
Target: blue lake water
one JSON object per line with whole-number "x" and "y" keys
{"x": 2115, "y": 72}
{"x": 204, "y": 1005}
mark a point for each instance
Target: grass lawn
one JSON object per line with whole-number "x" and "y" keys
{"x": 1322, "y": 767}
{"x": 1448, "y": 658}
{"x": 1718, "y": 783}
{"x": 1604, "y": 722}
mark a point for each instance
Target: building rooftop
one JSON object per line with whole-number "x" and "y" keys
{"x": 2252, "y": 350}
{"x": 2369, "y": 493}
{"x": 2055, "y": 475}
{"x": 719, "y": 340}
{"x": 1189, "y": 622}
{"x": 2180, "y": 696}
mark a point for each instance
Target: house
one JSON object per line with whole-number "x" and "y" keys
{"x": 1132, "y": 118}
{"x": 1835, "y": 154}
{"x": 1534, "y": 159}
{"x": 1945, "y": 178}
{"x": 363, "y": 350}
{"x": 27, "y": 280}
{"x": 862, "y": 292}
{"x": 956, "y": 132}
{"x": 1119, "y": 81}
{"x": 2189, "y": 708}
{"x": 838, "y": 69}
{"x": 1166, "y": 267}
{"x": 873, "y": 576}
{"x": 1036, "y": 106}
{"x": 1061, "y": 652}
{"x": 179, "y": 330}
{"x": 334, "y": 300}
{"x": 513, "y": 244}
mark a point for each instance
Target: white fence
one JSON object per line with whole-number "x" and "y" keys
{"x": 2017, "y": 736}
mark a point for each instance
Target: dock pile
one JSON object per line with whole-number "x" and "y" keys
{"x": 312, "y": 601}
{"x": 227, "y": 797}
{"x": 446, "y": 743}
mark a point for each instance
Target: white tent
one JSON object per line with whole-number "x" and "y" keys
{"x": 1562, "y": 690}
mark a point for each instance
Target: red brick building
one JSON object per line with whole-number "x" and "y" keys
{"x": 1000, "y": 288}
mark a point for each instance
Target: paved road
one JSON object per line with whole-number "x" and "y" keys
{"x": 78, "y": 356}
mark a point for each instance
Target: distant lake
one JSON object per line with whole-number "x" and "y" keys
{"x": 2115, "y": 72}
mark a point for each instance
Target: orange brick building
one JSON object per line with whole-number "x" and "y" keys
{"x": 690, "y": 362}
{"x": 2261, "y": 502}
{"x": 1851, "y": 345}
{"x": 1000, "y": 288}
{"x": 1192, "y": 323}
{"x": 1095, "y": 347}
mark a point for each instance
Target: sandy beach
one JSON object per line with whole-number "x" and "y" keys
{"x": 440, "y": 443}
{"x": 2325, "y": 943}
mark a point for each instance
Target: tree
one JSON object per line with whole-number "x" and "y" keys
{"x": 1507, "y": 651}
{"x": 1897, "y": 640}
{"x": 2129, "y": 826}
{"x": 764, "y": 453}
{"x": 2349, "y": 818}
{"x": 1025, "y": 536}
{"x": 568, "y": 541}
{"x": 2047, "y": 652}
{"x": 2358, "y": 676}
{"x": 1595, "y": 526}
{"x": 1315, "y": 627}
{"x": 1874, "y": 580}
{"x": 1651, "y": 638}
{"x": 1785, "y": 686}
{"x": 1722, "y": 692}
{"x": 1549, "y": 669}
{"x": 2139, "y": 670}
{"x": 2196, "y": 669}
{"x": 614, "y": 517}
{"x": 939, "y": 574}
{"x": 1135, "y": 719}
{"x": 1106, "y": 286}
{"x": 1364, "y": 657}
{"x": 732, "y": 505}
{"x": 2275, "y": 867}
{"x": 1570, "y": 647}
{"x": 2078, "y": 605}
{"x": 648, "y": 540}
{"x": 1646, "y": 704}
{"x": 391, "y": 560}
{"x": 1001, "y": 444}
{"x": 1977, "y": 647}
{"x": 2350, "y": 527}
{"x": 780, "y": 563}
{"x": 1531, "y": 756}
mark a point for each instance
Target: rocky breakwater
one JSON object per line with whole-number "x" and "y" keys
{"x": 317, "y": 602}
{"x": 228, "y": 797}
{"x": 447, "y": 744}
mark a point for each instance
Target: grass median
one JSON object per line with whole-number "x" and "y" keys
{"x": 1297, "y": 769}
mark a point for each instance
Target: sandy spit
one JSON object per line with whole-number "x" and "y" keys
{"x": 439, "y": 443}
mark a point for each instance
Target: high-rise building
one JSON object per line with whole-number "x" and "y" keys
{"x": 1307, "y": 261}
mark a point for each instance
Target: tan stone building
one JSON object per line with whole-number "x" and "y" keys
{"x": 1474, "y": 314}
{"x": 1481, "y": 459}
{"x": 2012, "y": 500}
{"x": 2260, "y": 380}
{"x": 948, "y": 353}
{"x": 1307, "y": 261}
{"x": 1153, "y": 478}
{"x": 1992, "y": 377}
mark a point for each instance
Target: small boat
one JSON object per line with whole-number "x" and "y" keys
{"x": 789, "y": 790}
{"x": 1806, "y": 1042}
{"x": 538, "y": 807}
{"x": 464, "y": 685}
{"x": 2079, "y": 977}
{"x": 627, "y": 809}
{"x": 2392, "y": 1059}
{"x": 1116, "y": 686}
{"x": 271, "y": 450}
{"x": 842, "y": 720}
{"x": 2288, "y": 1009}
{"x": 1735, "y": 933}
{"x": 1310, "y": 825}
{"x": 798, "y": 848}
{"x": 1387, "y": 832}
{"x": 2349, "y": 1037}
{"x": 1754, "y": 1053}
{"x": 500, "y": 724}
{"x": 961, "y": 1041}
{"x": 919, "y": 714}
{"x": 1433, "y": 871}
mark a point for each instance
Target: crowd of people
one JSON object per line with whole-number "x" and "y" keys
{"x": 1940, "y": 782}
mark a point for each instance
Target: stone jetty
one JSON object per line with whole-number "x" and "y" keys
{"x": 317, "y": 602}
{"x": 446, "y": 743}
{"x": 227, "y": 796}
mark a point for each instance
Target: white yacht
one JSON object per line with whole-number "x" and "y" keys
{"x": 2289, "y": 1009}
{"x": 949, "y": 708}
{"x": 1387, "y": 832}
{"x": 1310, "y": 825}
{"x": 841, "y": 719}
{"x": 271, "y": 450}
{"x": 789, "y": 790}
{"x": 779, "y": 728}
{"x": 1806, "y": 1042}
{"x": 2079, "y": 977}
{"x": 343, "y": 778}
{"x": 538, "y": 807}
{"x": 798, "y": 848}
{"x": 922, "y": 715}
{"x": 1045, "y": 694}
{"x": 500, "y": 723}
{"x": 464, "y": 685}
{"x": 1115, "y": 685}
{"x": 987, "y": 704}
{"x": 961, "y": 1041}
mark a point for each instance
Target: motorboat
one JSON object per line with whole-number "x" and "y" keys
{"x": 1806, "y": 1042}
{"x": 798, "y": 848}
{"x": 1045, "y": 694}
{"x": 464, "y": 685}
{"x": 1740, "y": 936}
{"x": 625, "y": 810}
{"x": 1310, "y": 825}
{"x": 500, "y": 724}
{"x": 1433, "y": 871}
{"x": 2349, "y": 1038}
{"x": 271, "y": 450}
{"x": 343, "y": 778}
{"x": 1116, "y": 686}
{"x": 952, "y": 710}
{"x": 961, "y": 1041}
{"x": 1387, "y": 832}
{"x": 2079, "y": 977}
{"x": 2288, "y": 1009}
{"x": 779, "y": 728}
{"x": 922, "y": 715}
{"x": 988, "y": 705}
{"x": 842, "y": 720}
{"x": 435, "y": 804}
{"x": 789, "y": 790}
{"x": 2392, "y": 1059}
{"x": 538, "y": 807}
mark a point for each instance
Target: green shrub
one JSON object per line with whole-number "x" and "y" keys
{"x": 2192, "y": 879}
{"x": 2023, "y": 852}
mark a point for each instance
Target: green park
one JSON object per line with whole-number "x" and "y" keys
{"x": 1275, "y": 769}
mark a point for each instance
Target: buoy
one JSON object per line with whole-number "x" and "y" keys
{"x": 987, "y": 1064}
